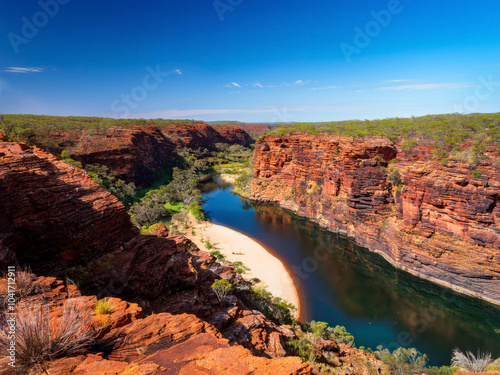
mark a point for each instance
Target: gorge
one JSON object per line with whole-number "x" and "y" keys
{"x": 439, "y": 222}
{"x": 436, "y": 221}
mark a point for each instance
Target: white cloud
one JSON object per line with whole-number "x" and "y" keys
{"x": 17, "y": 69}
{"x": 235, "y": 84}
{"x": 257, "y": 84}
{"x": 325, "y": 88}
{"x": 178, "y": 71}
{"x": 427, "y": 86}
{"x": 298, "y": 82}
{"x": 396, "y": 80}
{"x": 192, "y": 113}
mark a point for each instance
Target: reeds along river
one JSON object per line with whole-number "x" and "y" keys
{"x": 344, "y": 284}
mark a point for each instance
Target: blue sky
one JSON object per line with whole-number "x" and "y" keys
{"x": 249, "y": 60}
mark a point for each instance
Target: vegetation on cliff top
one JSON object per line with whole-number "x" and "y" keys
{"x": 444, "y": 133}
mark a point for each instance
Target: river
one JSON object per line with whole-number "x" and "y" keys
{"x": 345, "y": 284}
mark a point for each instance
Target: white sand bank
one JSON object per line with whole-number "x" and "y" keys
{"x": 263, "y": 265}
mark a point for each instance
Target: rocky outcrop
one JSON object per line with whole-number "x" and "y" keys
{"x": 441, "y": 223}
{"x": 234, "y": 135}
{"x": 139, "y": 153}
{"x": 128, "y": 343}
{"x": 257, "y": 129}
{"x": 53, "y": 216}
{"x": 201, "y": 135}
{"x": 59, "y": 222}
{"x": 134, "y": 153}
{"x": 56, "y": 220}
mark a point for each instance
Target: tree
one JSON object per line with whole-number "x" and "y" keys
{"x": 221, "y": 287}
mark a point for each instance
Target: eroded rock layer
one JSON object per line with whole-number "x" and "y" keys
{"x": 138, "y": 153}
{"x": 441, "y": 223}
{"x": 56, "y": 220}
{"x": 52, "y": 215}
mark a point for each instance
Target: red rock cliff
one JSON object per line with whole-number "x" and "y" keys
{"x": 49, "y": 212}
{"x": 136, "y": 153}
{"x": 56, "y": 220}
{"x": 444, "y": 225}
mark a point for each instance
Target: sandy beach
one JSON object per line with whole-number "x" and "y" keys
{"x": 263, "y": 265}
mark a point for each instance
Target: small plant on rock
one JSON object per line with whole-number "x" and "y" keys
{"x": 39, "y": 338}
{"x": 221, "y": 287}
{"x": 103, "y": 307}
{"x": 470, "y": 362}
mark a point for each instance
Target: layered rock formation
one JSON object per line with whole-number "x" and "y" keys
{"x": 134, "y": 153}
{"x": 56, "y": 220}
{"x": 201, "y": 135}
{"x": 441, "y": 224}
{"x": 128, "y": 343}
{"x": 137, "y": 153}
{"x": 50, "y": 212}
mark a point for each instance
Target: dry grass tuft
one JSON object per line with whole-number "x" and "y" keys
{"x": 39, "y": 339}
{"x": 469, "y": 361}
{"x": 25, "y": 285}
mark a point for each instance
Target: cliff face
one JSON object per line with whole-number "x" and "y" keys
{"x": 134, "y": 153}
{"x": 49, "y": 212}
{"x": 443, "y": 225}
{"x": 137, "y": 153}
{"x": 56, "y": 220}
{"x": 202, "y": 135}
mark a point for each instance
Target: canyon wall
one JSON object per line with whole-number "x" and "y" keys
{"x": 56, "y": 220}
{"x": 441, "y": 223}
{"x": 138, "y": 153}
{"x": 50, "y": 212}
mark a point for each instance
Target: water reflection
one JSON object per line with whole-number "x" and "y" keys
{"x": 356, "y": 288}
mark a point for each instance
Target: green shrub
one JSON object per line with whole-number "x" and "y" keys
{"x": 408, "y": 146}
{"x": 322, "y": 330}
{"x": 102, "y": 175}
{"x": 221, "y": 287}
{"x": 395, "y": 177}
{"x": 402, "y": 361}
{"x": 274, "y": 308}
{"x": 303, "y": 348}
{"x": 65, "y": 154}
{"x": 216, "y": 254}
{"x": 476, "y": 173}
{"x": 103, "y": 307}
{"x": 197, "y": 211}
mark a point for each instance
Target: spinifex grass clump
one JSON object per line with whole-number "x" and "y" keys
{"x": 25, "y": 285}
{"x": 469, "y": 361}
{"x": 39, "y": 338}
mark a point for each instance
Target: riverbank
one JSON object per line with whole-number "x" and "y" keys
{"x": 235, "y": 246}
